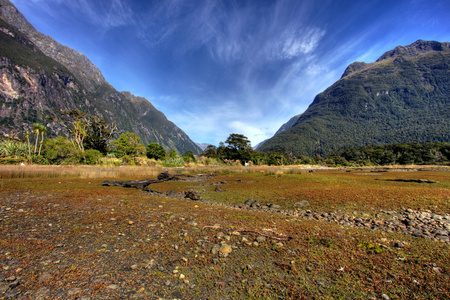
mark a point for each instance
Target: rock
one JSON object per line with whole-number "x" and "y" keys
{"x": 261, "y": 239}
{"x": 385, "y": 297}
{"x": 302, "y": 203}
{"x": 44, "y": 277}
{"x": 321, "y": 283}
{"x": 112, "y": 287}
{"x": 193, "y": 195}
{"x": 215, "y": 249}
{"x": 250, "y": 201}
{"x": 165, "y": 176}
{"x": 218, "y": 189}
{"x": 399, "y": 245}
{"x": 73, "y": 291}
{"x": 225, "y": 249}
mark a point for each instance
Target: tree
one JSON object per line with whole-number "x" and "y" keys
{"x": 43, "y": 129}
{"x": 239, "y": 147}
{"x": 98, "y": 134}
{"x": 129, "y": 144}
{"x": 238, "y": 142}
{"x": 38, "y": 129}
{"x": 155, "y": 151}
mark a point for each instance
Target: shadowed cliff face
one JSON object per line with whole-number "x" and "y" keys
{"x": 74, "y": 61}
{"x": 402, "y": 97}
{"x": 39, "y": 77}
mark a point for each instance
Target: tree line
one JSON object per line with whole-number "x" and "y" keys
{"x": 90, "y": 139}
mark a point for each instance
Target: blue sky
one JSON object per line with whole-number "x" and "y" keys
{"x": 221, "y": 67}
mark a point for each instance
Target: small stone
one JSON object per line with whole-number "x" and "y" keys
{"x": 220, "y": 235}
{"x": 321, "y": 283}
{"x": 130, "y": 222}
{"x": 73, "y": 291}
{"x": 167, "y": 282}
{"x": 113, "y": 287}
{"x": 182, "y": 276}
{"x": 261, "y": 239}
{"x": 302, "y": 203}
{"x": 399, "y": 245}
{"x": 225, "y": 250}
{"x": 11, "y": 278}
{"x": 134, "y": 267}
{"x": 44, "y": 277}
{"x": 385, "y": 297}
{"x": 215, "y": 249}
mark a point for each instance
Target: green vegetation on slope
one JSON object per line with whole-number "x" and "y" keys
{"x": 397, "y": 100}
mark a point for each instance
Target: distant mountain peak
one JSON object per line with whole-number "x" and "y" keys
{"x": 415, "y": 49}
{"x": 420, "y": 47}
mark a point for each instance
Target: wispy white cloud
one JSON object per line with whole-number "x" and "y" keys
{"x": 105, "y": 14}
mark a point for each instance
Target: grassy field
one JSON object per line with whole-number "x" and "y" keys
{"x": 64, "y": 236}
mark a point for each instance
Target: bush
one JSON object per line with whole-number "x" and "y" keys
{"x": 92, "y": 157}
{"x": 155, "y": 151}
{"x": 61, "y": 151}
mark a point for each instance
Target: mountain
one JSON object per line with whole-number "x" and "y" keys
{"x": 402, "y": 97}
{"x": 39, "y": 78}
{"x": 288, "y": 125}
{"x": 203, "y": 146}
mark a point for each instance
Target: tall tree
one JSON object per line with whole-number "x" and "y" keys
{"x": 98, "y": 134}
{"x": 129, "y": 144}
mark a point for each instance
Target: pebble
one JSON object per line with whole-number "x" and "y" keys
{"x": 113, "y": 287}
{"x": 215, "y": 249}
{"x": 385, "y": 297}
{"x": 225, "y": 249}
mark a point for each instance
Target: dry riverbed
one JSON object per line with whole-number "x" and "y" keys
{"x": 327, "y": 234}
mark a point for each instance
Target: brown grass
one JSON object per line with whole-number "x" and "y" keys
{"x": 60, "y": 220}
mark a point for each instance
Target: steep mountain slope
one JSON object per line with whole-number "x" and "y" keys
{"x": 402, "y": 97}
{"x": 39, "y": 78}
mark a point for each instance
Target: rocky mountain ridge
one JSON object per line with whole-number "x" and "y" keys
{"x": 35, "y": 85}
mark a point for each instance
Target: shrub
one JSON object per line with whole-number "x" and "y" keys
{"x": 92, "y": 157}
{"x": 155, "y": 151}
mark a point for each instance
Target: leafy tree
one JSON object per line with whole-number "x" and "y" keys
{"x": 155, "y": 151}
{"x": 129, "y": 144}
{"x": 238, "y": 142}
{"x": 189, "y": 156}
{"x": 173, "y": 153}
{"x": 98, "y": 134}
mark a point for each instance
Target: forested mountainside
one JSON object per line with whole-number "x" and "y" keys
{"x": 402, "y": 97}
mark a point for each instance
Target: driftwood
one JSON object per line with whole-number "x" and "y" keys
{"x": 411, "y": 180}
